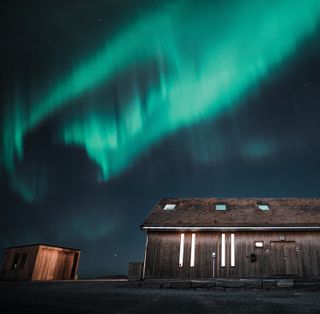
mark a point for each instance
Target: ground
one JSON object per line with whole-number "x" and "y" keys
{"x": 124, "y": 297}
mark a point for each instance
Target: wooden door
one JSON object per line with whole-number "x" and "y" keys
{"x": 283, "y": 260}
{"x": 291, "y": 259}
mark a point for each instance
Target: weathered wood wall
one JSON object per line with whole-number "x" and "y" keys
{"x": 40, "y": 263}
{"x": 55, "y": 264}
{"x": 135, "y": 270}
{"x": 283, "y": 254}
{"x": 19, "y": 272}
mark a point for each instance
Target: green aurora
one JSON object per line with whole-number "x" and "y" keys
{"x": 208, "y": 57}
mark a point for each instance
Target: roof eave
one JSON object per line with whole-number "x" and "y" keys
{"x": 231, "y": 228}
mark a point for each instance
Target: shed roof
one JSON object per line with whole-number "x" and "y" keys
{"x": 42, "y": 244}
{"x": 241, "y": 213}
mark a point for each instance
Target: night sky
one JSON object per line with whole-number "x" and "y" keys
{"x": 109, "y": 106}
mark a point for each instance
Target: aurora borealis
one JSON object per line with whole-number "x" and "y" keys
{"x": 136, "y": 92}
{"x": 203, "y": 75}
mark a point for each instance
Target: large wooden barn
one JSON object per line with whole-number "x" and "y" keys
{"x": 40, "y": 262}
{"x": 205, "y": 238}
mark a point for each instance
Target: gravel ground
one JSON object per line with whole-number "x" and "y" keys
{"x": 106, "y": 297}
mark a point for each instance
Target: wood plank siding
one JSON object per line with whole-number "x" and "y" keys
{"x": 13, "y": 269}
{"x": 135, "y": 271}
{"x": 285, "y": 253}
{"x": 55, "y": 263}
{"x": 40, "y": 262}
{"x": 286, "y": 232}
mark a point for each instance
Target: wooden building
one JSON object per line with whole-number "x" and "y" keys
{"x": 40, "y": 262}
{"x": 205, "y": 238}
{"x": 135, "y": 271}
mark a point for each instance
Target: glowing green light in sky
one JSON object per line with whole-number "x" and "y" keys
{"x": 208, "y": 57}
{"x": 30, "y": 186}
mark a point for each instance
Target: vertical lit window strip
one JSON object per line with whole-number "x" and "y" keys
{"x": 223, "y": 250}
{"x": 181, "y": 250}
{"x": 233, "y": 252}
{"x": 193, "y": 246}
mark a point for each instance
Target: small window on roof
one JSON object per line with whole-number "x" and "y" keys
{"x": 221, "y": 207}
{"x": 169, "y": 207}
{"x": 263, "y": 207}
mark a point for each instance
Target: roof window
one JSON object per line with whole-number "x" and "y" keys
{"x": 221, "y": 207}
{"x": 169, "y": 207}
{"x": 264, "y": 207}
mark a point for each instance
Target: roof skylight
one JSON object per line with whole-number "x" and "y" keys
{"x": 169, "y": 207}
{"x": 264, "y": 207}
{"x": 221, "y": 207}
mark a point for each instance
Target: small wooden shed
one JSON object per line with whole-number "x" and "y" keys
{"x": 211, "y": 237}
{"x": 40, "y": 262}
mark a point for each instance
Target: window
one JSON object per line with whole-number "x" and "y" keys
{"x": 169, "y": 207}
{"x": 264, "y": 207}
{"x": 258, "y": 244}
{"x": 181, "y": 249}
{"x": 23, "y": 260}
{"x": 193, "y": 247}
{"x": 15, "y": 261}
{"x": 221, "y": 207}
{"x": 223, "y": 250}
{"x": 233, "y": 252}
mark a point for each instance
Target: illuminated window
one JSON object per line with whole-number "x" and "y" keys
{"x": 193, "y": 247}
{"x": 264, "y": 207}
{"x": 258, "y": 244}
{"x": 223, "y": 250}
{"x": 181, "y": 249}
{"x": 233, "y": 252}
{"x": 221, "y": 207}
{"x": 169, "y": 207}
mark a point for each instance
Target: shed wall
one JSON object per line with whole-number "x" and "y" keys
{"x": 40, "y": 262}
{"x": 56, "y": 264}
{"x": 14, "y": 267}
{"x": 283, "y": 254}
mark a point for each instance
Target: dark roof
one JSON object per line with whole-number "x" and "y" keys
{"x": 44, "y": 244}
{"x": 241, "y": 212}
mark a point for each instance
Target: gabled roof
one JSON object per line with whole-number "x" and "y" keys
{"x": 241, "y": 213}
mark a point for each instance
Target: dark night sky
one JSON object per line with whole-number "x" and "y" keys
{"x": 264, "y": 143}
